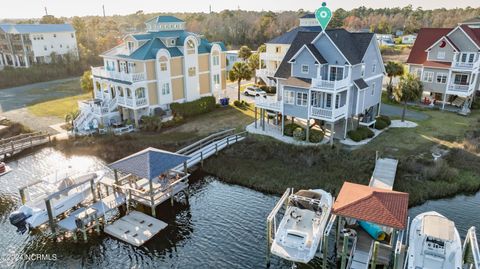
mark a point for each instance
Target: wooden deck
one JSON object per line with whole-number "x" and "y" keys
{"x": 383, "y": 176}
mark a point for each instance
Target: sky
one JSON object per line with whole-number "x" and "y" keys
{"x": 69, "y": 8}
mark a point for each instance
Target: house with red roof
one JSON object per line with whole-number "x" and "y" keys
{"x": 447, "y": 60}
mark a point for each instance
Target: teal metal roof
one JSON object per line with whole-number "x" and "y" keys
{"x": 165, "y": 19}
{"x": 36, "y": 28}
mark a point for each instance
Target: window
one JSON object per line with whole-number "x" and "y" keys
{"x": 442, "y": 78}
{"x": 289, "y": 97}
{"x": 172, "y": 42}
{"x": 140, "y": 93}
{"x": 192, "y": 71}
{"x": 328, "y": 103}
{"x": 130, "y": 46}
{"x": 428, "y": 77}
{"x": 190, "y": 47}
{"x": 61, "y": 46}
{"x": 461, "y": 79}
{"x": 441, "y": 55}
{"x": 163, "y": 67}
{"x": 44, "y": 47}
{"x": 278, "y": 49}
{"x": 302, "y": 99}
{"x": 165, "y": 88}
{"x": 305, "y": 69}
{"x": 373, "y": 88}
{"x": 471, "y": 57}
{"x": 216, "y": 60}
{"x": 336, "y": 73}
{"x": 216, "y": 79}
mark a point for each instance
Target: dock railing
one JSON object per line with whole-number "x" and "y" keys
{"x": 205, "y": 141}
{"x": 18, "y": 143}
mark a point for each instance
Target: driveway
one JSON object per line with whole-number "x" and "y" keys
{"x": 396, "y": 111}
{"x": 232, "y": 91}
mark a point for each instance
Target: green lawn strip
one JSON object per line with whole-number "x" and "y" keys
{"x": 58, "y": 107}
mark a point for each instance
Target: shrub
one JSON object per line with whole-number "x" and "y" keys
{"x": 316, "y": 136}
{"x": 386, "y": 119}
{"x": 289, "y": 128}
{"x": 200, "y": 106}
{"x": 151, "y": 123}
{"x": 361, "y": 133}
{"x": 380, "y": 124}
{"x": 440, "y": 171}
{"x": 237, "y": 103}
{"x": 299, "y": 134}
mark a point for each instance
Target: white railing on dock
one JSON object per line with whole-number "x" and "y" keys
{"x": 18, "y": 143}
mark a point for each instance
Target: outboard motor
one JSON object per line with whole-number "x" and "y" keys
{"x": 18, "y": 219}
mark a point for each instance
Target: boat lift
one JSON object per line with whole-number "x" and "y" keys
{"x": 471, "y": 252}
{"x": 322, "y": 252}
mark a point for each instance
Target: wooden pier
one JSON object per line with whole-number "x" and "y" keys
{"x": 16, "y": 144}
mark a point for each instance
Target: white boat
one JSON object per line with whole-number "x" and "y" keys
{"x": 434, "y": 243}
{"x": 71, "y": 190}
{"x": 4, "y": 169}
{"x": 300, "y": 232}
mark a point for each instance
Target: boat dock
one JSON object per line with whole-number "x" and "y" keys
{"x": 13, "y": 145}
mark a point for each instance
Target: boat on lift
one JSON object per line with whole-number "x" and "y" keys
{"x": 64, "y": 192}
{"x": 434, "y": 243}
{"x": 4, "y": 169}
{"x": 301, "y": 230}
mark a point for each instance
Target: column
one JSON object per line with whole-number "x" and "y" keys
{"x": 307, "y": 135}
{"x": 135, "y": 117}
{"x": 445, "y": 96}
{"x": 255, "y": 117}
{"x": 283, "y": 124}
{"x": 332, "y": 131}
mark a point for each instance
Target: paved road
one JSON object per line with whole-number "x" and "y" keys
{"x": 396, "y": 111}
{"x": 232, "y": 91}
{"x": 20, "y": 97}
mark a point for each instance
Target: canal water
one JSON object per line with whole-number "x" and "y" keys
{"x": 222, "y": 226}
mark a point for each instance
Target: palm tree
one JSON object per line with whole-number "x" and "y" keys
{"x": 393, "y": 69}
{"x": 244, "y": 53}
{"x": 240, "y": 70}
{"x": 254, "y": 63}
{"x": 71, "y": 116}
{"x": 409, "y": 89}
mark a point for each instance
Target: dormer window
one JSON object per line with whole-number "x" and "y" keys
{"x": 130, "y": 46}
{"x": 190, "y": 47}
{"x": 172, "y": 42}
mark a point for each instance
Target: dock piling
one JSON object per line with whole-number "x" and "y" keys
{"x": 51, "y": 219}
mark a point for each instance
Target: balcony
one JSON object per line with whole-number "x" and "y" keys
{"x": 462, "y": 90}
{"x": 128, "y": 77}
{"x": 264, "y": 73}
{"x": 330, "y": 85}
{"x": 131, "y": 102}
{"x": 269, "y": 103}
{"x": 271, "y": 57}
{"x": 328, "y": 114}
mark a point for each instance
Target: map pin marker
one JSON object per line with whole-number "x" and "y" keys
{"x": 323, "y": 15}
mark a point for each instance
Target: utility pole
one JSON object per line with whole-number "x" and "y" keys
{"x": 46, "y": 12}
{"x": 103, "y": 8}
{"x": 210, "y": 8}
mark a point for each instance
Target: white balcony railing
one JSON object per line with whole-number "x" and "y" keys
{"x": 328, "y": 113}
{"x": 458, "y": 88}
{"x": 329, "y": 84}
{"x": 129, "y": 77}
{"x": 264, "y": 73}
{"x": 271, "y": 57}
{"x": 462, "y": 65}
{"x": 269, "y": 103}
{"x": 132, "y": 102}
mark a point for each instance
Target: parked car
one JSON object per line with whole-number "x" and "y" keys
{"x": 254, "y": 91}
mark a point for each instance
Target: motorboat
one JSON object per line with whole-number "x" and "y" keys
{"x": 434, "y": 243}
{"x": 300, "y": 232}
{"x": 4, "y": 169}
{"x": 64, "y": 192}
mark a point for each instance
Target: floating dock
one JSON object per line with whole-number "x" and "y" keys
{"x": 135, "y": 228}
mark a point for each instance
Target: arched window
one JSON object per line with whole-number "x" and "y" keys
{"x": 140, "y": 93}
{"x": 191, "y": 47}
{"x": 215, "y": 58}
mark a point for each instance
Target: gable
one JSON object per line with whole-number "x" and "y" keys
{"x": 328, "y": 49}
{"x": 462, "y": 40}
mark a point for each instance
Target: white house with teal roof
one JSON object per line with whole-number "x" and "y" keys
{"x": 149, "y": 71}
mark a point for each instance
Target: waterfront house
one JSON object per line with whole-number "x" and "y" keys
{"x": 333, "y": 78}
{"x": 447, "y": 60}
{"x": 149, "y": 71}
{"x": 276, "y": 48}
{"x": 22, "y": 45}
{"x": 409, "y": 39}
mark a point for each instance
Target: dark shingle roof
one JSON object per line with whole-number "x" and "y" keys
{"x": 352, "y": 45}
{"x": 308, "y": 16}
{"x": 301, "y": 39}
{"x": 288, "y": 37}
{"x": 361, "y": 84}
{"x": 318, "y": 56}
{"x": 149, "y": 163}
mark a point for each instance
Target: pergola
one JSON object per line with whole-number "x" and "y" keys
{"x": 145, "y": 167}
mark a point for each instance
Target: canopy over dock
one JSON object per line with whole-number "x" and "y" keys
{"x": 149, "y": 163}
{"x": 376, "y": 205}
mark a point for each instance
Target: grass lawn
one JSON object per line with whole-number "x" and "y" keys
{"x": 57, "y": 107}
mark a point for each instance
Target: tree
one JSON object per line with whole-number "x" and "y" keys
{"x": 86, "y": 82}
{"x": 71, "y": 116}
{"x": 240, "y": 70}
{"x": 409, "y": 89}
{"x": 244, "y": 53}
{"x": 50, "y": 19}
{"x": 393, "y": 69}
{"x": 254, "y": 63}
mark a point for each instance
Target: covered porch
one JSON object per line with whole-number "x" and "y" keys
{"x": 372, "y": 222}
